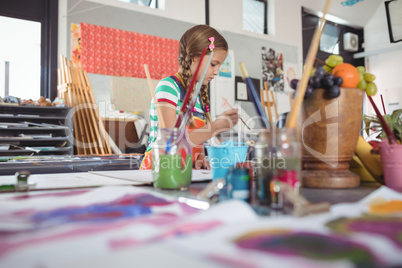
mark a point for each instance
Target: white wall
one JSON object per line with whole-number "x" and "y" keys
{"x": 383, "y": 60}
{"x": 225, "y": 15}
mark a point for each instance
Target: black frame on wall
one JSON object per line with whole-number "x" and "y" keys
{"x": 46, "y": 12}
{"x": 393, "y": 30}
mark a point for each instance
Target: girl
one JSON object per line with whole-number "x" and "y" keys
{"x": 171, "y": 91}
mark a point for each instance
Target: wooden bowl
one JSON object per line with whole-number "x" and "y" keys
{"x": 329, "y": 135}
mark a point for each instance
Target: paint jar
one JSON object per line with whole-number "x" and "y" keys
{"x": 224, "y": 156}
{"x": 277, "y": 157}
{"x": 172, "y": 159}
{"x": 238, "y": 183}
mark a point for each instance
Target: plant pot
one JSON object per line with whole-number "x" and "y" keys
{"x": 391, "y": 161}
{"x": 329, "y": 135}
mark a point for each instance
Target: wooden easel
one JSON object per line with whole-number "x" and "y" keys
{"x": 89, "y": 131}
{"x": 267, "y": 103}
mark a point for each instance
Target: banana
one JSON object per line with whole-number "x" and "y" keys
{"x": 372, "y": 162}
{"x": 357, "y": 167}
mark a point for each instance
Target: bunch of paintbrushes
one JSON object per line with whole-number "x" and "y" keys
{"x": 387, "y": 130}
{"x": 183, "y": 110}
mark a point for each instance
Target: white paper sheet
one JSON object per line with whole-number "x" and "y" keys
{"x": 67, "y": 180}
{"x": 145, "y": 176}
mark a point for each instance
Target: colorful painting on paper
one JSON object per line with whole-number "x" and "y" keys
{"x": 76, "y": 43}
{"x": 116, "y": 52}
{"x": 65, "y": 222}
{"x": 314, "y": 246}
{"x": 390, "y": 227}
{"x": 226, "y": 68}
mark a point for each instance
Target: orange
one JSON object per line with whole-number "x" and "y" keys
{"x": 349, "y": 74}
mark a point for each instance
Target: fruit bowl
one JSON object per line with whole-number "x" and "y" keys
{"x": 329, "y": 134}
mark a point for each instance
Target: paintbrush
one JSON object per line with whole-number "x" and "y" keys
{"x": 151, "y": 89}
{"x": 302, "y": 85}
{"x": 390, "y": 135}
{"x": 197, "y": 90}
{"x": 230, "y": 106}
{"x": 188, "y": 93}
{"x": 254, "y": 96}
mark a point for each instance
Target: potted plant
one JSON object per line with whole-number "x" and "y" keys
{"x": 394, "y": 121}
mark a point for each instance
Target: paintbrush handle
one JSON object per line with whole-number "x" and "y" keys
{"x": 302, "y": 85}
{"x": 230, "y": 106}
{"x": 390, "y": 135}
{"x": 253, "y": 93}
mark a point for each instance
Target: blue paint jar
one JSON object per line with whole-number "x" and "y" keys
{"x": 238, "y": 183}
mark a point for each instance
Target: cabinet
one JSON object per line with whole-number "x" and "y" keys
{"x": 35, "y": 130}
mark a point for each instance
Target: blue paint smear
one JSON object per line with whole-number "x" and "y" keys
{"x": 129, "y": 206}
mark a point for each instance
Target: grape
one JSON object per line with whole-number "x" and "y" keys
{"x": 369, "y": 77}
{"x": 333, "y": 92}
{"x": 361, "y": 69}
{"x": 312, "y": 71}
{"x": 338, "y": 81}
{"x": 327, "y": 81}
{"x": 315, "y": 81}
{"x": 293, "y": 83}
{"x": 371, "y": 89}
{"x": 334, "y": 60}
{"x": 327, "y": 69}
{"x": 362, "y": 84}
{"x": 320, "y": 72}
{"x": 309, "y": 91}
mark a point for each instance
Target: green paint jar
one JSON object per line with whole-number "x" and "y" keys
{"x": 172, "y": 159}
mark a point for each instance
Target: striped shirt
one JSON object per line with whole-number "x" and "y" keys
{"x": 169, "y": 90}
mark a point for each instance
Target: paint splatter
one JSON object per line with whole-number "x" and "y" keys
{"x": 129, "y": 206}
{"x": 309, "y": 245}
{"x": 386, "y": 226}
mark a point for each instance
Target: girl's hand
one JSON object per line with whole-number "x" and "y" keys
{"x": 201, "y": 162}
{"x": 227, "y": 120}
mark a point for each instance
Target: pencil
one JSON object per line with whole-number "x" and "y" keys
{"x": 226, "y": 101}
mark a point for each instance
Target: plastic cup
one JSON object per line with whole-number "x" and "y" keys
{"x": 221, "y": 158}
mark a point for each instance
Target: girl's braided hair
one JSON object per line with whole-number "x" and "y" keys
{"x": 191, "y": 45}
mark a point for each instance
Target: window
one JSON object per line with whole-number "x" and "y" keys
{"x": 255, "y": 16}
{"x": 330, "y": 39}
{"x": 148, "y": 3}
{"x": 20, "y": 58}
{"x": 40, "y": 20}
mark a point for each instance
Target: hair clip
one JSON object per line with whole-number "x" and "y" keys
{"x": 206, "y": 108}
{"x": 194, "y": 110}
{"x": 211, "y": 46}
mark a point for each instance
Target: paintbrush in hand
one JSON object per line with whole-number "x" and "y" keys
{"x": 230, "y": 106}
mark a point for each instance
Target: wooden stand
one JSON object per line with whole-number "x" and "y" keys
{"x": 330, "y": 131}
{"x": 90, "y": 136}
{"x": 268, "y": 102}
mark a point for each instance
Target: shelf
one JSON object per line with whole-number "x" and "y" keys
{"x": 49, "y": 129}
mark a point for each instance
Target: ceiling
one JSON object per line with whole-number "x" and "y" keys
{"x": 355, "y": 15}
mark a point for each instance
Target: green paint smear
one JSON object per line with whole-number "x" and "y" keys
{"x": 169, "y": 174}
